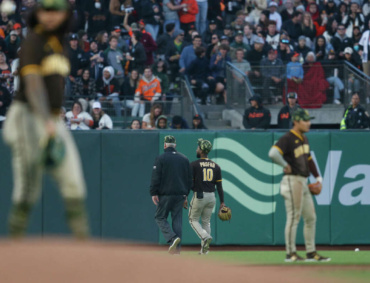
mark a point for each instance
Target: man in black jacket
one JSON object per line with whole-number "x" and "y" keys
{"x": 285, "y": 113}
{"x": 256, "y": 116}
{"x": 170, "y": 186}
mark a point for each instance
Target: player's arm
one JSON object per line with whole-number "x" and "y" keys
{"x": 220, "y": 192}
{"x": 219, "y": 188}
{"x": 35, "y": 91}
{"x": 276, "y": 155}
{"x": 156, "y": 180}
{"x": 313, "y": 169}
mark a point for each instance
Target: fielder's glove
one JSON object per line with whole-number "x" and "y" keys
{"x": 224, "y": 213}
{"x": 54, "y": 152}
{"x": 315, "y": 188}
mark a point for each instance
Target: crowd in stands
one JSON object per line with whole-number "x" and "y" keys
{"x": 128, "y": 55}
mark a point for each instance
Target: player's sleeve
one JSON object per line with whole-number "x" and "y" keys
{"x": 219, "y": 187}
{"x": 31, "y": 57}
{"x": 282, "y": 145}
{"x": 156, "y": 177}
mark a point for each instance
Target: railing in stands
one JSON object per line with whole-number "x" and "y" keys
{"x": 190, "y": 101}
{"x": 239, "y": 87}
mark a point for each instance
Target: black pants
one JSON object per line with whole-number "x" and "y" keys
{"x": 167, "y": 205}
{"x": 267, "y": 93}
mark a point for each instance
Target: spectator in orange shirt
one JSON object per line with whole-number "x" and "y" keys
{"x": 149, "y": 89}
{"x": 188, "y": 14}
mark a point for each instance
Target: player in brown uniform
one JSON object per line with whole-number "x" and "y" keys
{"x": 292, "y": 152}
{"x": 33, "y": 122}
{"x": 206, "y": 175}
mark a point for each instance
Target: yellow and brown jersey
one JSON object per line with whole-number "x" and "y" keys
{"x": 296, "y": 151}
{"x": 206, "y": 174}
{"x": 44, "y": 55}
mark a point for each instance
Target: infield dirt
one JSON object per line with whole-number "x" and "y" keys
{"x": 54, "y": 261}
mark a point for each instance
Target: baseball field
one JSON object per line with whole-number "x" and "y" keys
{"x": 53, "y": 260}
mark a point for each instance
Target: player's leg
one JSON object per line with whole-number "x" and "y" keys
{"x": 161, "y": 215}
{"x": 292, "y": 191}
{"x": 195, "y": 211}
{"x": 207, "y": 212}
{"x": 69, "y": 177}
{"x": 210, "y": 200}
{"x": 23, "y": 132}
{"x": 309, "y": 218}
{"x": 176, "y": 215}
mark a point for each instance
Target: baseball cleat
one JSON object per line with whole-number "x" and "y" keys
{"x": 172, "y": 248}
{"x": 314, "y": 256}
{"x": 293, "y": 257}
{"x": 205, "y": 246}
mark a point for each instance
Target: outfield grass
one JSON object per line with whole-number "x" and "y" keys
{"x": 277, "y": 257}
{"x": 347, "y": 265}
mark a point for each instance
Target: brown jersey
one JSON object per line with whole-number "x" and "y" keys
{"x": 296, "y": 151}
{"x": 44, "y": 55}
{"x": 206, "y": 174}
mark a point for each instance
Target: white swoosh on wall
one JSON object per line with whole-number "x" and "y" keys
{"x": 248, "y": 202}
{"x": 262, "y": 188}
{"x": 248, "y": 156}
{"x": 243, "y": 176}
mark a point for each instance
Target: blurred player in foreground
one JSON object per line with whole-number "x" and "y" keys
{"x": 38, "y": 138}
{"x": 292, "y": 152}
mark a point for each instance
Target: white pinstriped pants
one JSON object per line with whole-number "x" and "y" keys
{"x": 298, "y": 202}
{"x": 202, "y": 208}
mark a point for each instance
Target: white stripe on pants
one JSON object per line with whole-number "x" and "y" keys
{"x": 298, "y": 201}
{"x": 202, "y": 208}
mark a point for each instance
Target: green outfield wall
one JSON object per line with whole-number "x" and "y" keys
{"x": 117, "y": 168}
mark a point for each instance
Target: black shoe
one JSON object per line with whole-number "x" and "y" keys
{"x": 293, "y": 257}
{"x": 173, "y": 246}
{"x": 314, "y": 256}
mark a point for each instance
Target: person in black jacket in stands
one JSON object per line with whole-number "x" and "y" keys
{"x": 256, "y": 116}
{"x": 285, "y": 113}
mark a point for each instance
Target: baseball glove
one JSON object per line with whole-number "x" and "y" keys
{"x": 54, "y": 152}
{"x": 224, "y": 213}
{"x": 315, "y": 188}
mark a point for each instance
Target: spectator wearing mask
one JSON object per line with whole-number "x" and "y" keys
{"x": 256, "y": 116}
{"x": 212, "y": 29}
